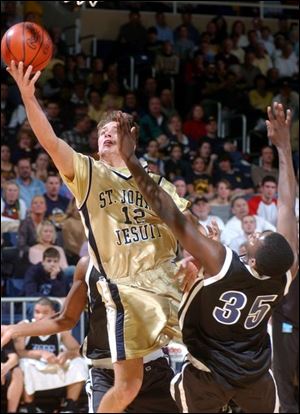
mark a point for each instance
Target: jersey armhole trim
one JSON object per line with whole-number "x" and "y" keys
{"x": 89, "y": 185}
{"x": 222, "y": 273}
{"x": 289, "y": 280}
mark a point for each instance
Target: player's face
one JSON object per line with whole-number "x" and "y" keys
{"x": 107, "y": 140}
{"x": 42, "y": 312}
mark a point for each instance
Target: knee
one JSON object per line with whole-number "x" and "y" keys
{"x": 126, "y": 391}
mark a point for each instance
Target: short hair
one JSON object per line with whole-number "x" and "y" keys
{"x": 234, "y": 199}
{"x": 52, "y": 253}
{"x": 112, "y": 117}
{"x": 275, "y": 256}
{"x": 46, "y": 302}
{"x": 268, "y": 179}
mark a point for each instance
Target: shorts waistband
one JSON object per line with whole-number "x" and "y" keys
{"x": 106, "y": 363}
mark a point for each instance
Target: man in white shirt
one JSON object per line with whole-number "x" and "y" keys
{"x": 233, "y": 227}
{"x": 201, "y": 209}
{"x": 249, "y": 228}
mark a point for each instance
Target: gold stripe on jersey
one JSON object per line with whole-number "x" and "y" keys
{"x": 126, "y": 238}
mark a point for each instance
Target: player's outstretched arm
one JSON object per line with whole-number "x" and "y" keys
{"x": 74, "y": 304}
{"x": 278, "y": 126}
{"x": 210, "y": 253}
{"x": 59, "y": 151}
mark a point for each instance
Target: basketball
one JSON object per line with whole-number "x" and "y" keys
{"x": 27, "y": 42}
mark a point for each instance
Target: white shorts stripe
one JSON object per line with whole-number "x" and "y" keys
{"x": 276, "y": 408}
{"x": 89, "y": 391}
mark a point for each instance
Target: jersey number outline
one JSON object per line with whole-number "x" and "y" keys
{"x": 235, "y": 301}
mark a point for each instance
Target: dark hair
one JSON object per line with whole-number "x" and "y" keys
{"x": 46, "y": 302}
{"x": 268, "y": 179}
{"x": 51, "y": 252}
{"x": 275, "y": 256}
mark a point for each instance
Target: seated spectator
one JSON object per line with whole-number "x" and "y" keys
{"x": 78, "y": 96}
{"x": 95, "y": 106}
{"x": 205, "y": 152}
{"x": 77, "y": 137}
{"x": 265, "y": 167}
{"x": 181, "y": 186}
{"x": 167, "y": 103}
{"x": 177, "y": 136}
{"x": 24, "y": 148}
{"x": 220, "y": 205}
{"x": 260, "y": 97}
{"x": 56, "y": 203}
{"x": 154, "y": 156}
{"x": 249, "y": 71}
{"x": 288, "y": 98}
{"x": 13, "y": 208}
{"x": 27, "y": 235}
{"x": 53, "y": 110}
{"x": 41, "y": 166}
{"x": 153, "y": 45}
{"x": 239, "y": 183}
{"x": 194, "y": 127}
{"x": 93, "y": 146}
{"x": 56, "y": 87}
{"x": 287, "y": 63}
{"x": 199, "y": 182}
{"x": 154, "y": 124}
{"x": 262, "y": 60}
{"x": 233, "y": 227}
{"x": 7, "y": 167}
{"x": 46, "y": 366}
{"x": 265, "y": 204}
{"x": 147, "y": 91}
{"x": 211, "y": 135}
{"x": 249, "y": 228}
{"x": 184, "y": 46}
{"x": 225, "y": 53}
{"x": 29, "y": 187}
{"x": 131, "y": 105}
{"x": 201, "y": 209}
{"x": 238, "y": 52}
{"x": 267, "y": 40}
{"x": 239, "y": 30}
{"x": 46, "y": 237}
{"x": 112, "y": 99}
{"x": 72, "y": 233}
{"x": 46, "y": 278}
{"x": 176, "y": 165}
{"x": 167, "y": 62}
{"x": 11, "y": 376}
{"x": 17, "y": 118}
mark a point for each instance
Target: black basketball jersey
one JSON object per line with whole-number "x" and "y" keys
{"x": 224, "y": 321}
{"x": 48, "y": 343}
{"x": 96, "y": 344}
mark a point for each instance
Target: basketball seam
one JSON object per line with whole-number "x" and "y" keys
{"x": 41, "y": 63}
{"x": 42, "y": 41}
{"x": 7, "y": 45}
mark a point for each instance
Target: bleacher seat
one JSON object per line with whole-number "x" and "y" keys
{"x": 10, "y": 238}
{"x": 14, "y": 287}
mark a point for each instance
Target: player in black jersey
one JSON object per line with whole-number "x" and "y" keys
{"x": 154, "y": 396}
{"x": 224, "y": 316}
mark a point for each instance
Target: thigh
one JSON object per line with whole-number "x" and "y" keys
{"x": 154, "y": 395}
{"x": 99, "y": 382}
{"x": 196, "y": 391}
{"x": 259, "y": 397}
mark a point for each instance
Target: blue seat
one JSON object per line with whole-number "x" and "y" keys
{"x": 10, "y": 238}
{"x": 14, "y": 287}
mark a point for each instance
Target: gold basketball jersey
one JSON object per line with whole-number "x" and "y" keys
{"x": 125, "y": 236}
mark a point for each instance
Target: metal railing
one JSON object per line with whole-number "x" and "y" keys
{"x": 30, "y": 300}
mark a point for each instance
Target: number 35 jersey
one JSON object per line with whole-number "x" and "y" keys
{"x": 126, "y": 238}
{"x": 224, "y": 321}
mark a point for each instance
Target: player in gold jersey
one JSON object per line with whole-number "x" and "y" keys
{"x": 130, "y": 246}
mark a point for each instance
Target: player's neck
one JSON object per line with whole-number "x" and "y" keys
{"x": 113, "y": 161}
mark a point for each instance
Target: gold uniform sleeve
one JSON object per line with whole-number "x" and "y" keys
{"x": 170, "y": 188}
{"x": 80, "y": 184}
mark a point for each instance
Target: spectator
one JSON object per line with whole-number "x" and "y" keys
{"x": 193, "y": 33}
{"x": 17, "y": 117}
{"x": 167, "y": 103}
{"x": 233, "y": 228}
{"x": 112, "y": 99}
{"x": 265, "y": 204}
{"x": 239, "y": 183}
{"x": 211, "y": 135}
{"x": 55, "y": 33}
{"x": 7, "y": 167}
{"x": 220, "y": 205}
{"x": 238, "y": 29}
{"x": 177, "y": 136}
{"x": 57, "y": 87}
{"x": 181, "y": 187}
{"x": 13, "y": 209}
{"x": 252, "y": 40}
{"x": 72, "y": 233}
{"x": 249, "y": 228}
{"x": 148, "y": 91}
{"x": 205, "y": 152}
{"x": 221, "y": 28}
{"x": 198, "y": 181}
{"x": 226, "y": 54}
{"x": 194, "y": 127}
{"x": 46, "y": 237}
{"x": 56, "y": 204}
{"x": 27, "y": 231}
{"x": 25, "y": 146}
{"x": 95, "y": 107}
{"x": 41, "y": 166}
{"x": 29, "y": 187}
{"x": 53, "y": 115}
{"x": 201, "y": 209}
{"x": 265, "y": 167}
{"x": 131, "y": 105}
{"x": 268, "y": 41}
{"x": 167, "y": 63}
{"x": 262, "y": 60}
{"x": 78, "y": 96}
{"x": 132, "y": 35}
{"x": 154, "y": 124}
{"x": 184, "y": 46}
{"x": 51, "y": 361}
{"x": 153, "y": 155}
{"x": 11, "y": 376}
{"x": 287, "y": 64}
{"x": 7, "y": 107}
{"x": 164, "y": 32}
{"x": 249, "y": 71}
{"x": 288, "y": 98}
{"x": 78, "y": 136}
{"x": 176, "y": 165}
{"x": 260, "y": 97}
{"x": 46, "y": 278}
{"x": 153, "y": 45}
{"x": 238, "y": 52}
{"x": 93, "y": 145}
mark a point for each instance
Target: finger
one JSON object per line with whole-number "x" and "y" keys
{"x": 270, "y": 113}
{"x": 28, "y": 73}
{"x": 21, "y": 69}
{"x": 281, "y": 114}
{"x": 288, "y": 117}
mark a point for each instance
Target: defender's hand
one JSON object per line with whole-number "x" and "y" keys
{"x": 126, "y": 137}
{"x": 279, "y": 125}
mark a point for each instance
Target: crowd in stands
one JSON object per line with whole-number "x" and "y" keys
{"x": 182, "y": 73}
